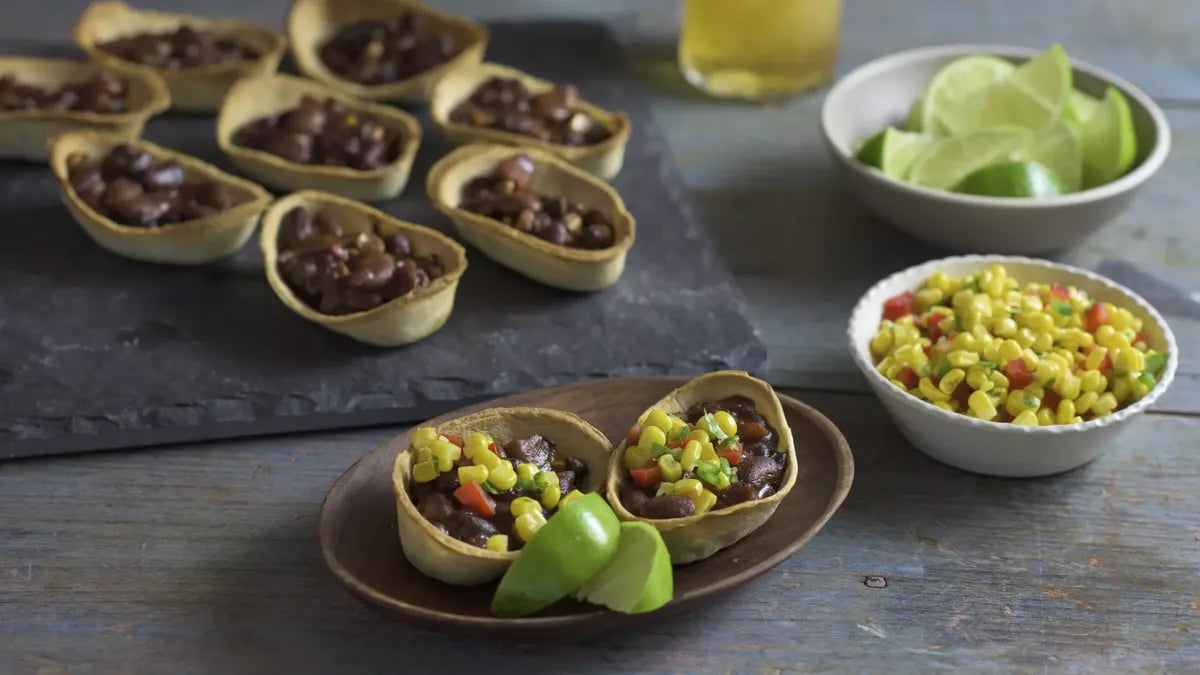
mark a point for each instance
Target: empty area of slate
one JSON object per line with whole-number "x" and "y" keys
{"x": 97, "y": 351}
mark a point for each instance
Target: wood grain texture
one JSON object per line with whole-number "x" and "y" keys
{"x": 203, "y": 558}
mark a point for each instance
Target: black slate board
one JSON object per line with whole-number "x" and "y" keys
{"x": 100, "y": 352}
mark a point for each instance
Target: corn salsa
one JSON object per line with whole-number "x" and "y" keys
{"x": 489, "y": 495}
{"x": 985, "y": 346}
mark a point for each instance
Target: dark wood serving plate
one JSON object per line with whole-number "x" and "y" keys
{"x": 357, "y": 524}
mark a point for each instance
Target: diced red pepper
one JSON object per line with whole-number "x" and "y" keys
{"x": 1095, "y": 317}
{"x": 648, "y": 477}
{"x": 1142, "y": 338}
{"x": 1059, "y": 291}
{"x": 962, "y": 394}
{"x": 935, "y": 331}
{"x": 677, "y": 444}
{"x": 473, "y": 497}
{"x": 1018, "y": 374}
{"x": 635, "y": 432}
{"x": 1051, "y": 399}
{"x": 494, "y": 449}
{"x": 732, "y": 455}
{"x": 908, "y": 377}
{"x": 752, "y": 431}
{"x": 1106, "y": 363}
{"x": 898, "y": 306}
{"x": 455, "y": 439}
{"x": 928, "y": 349}
{"x": 1004, "y": 416}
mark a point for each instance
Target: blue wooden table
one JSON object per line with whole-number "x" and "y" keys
{"x": 203, "y": 558}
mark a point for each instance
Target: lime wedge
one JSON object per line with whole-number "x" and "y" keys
{"x": 1081, "y": 106}
{"x": 916, "y": 115}
{"x": 956, "y": 87}
{"x": 948, "y": 161}
{"x": 1109, "y": 144}
{"x": 1011, "y": 179}
{"x": 638, "y": 578}
{"x": 1057, "y": 148}
{"x": 1034, "y": 96}
{"x": 893, "y": 151}
{"x": 575, "y": 544}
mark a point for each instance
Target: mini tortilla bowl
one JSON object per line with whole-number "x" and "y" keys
{"x": 403, "y": 320}
{"x": 603, "y": 159}
{"x": 198, "y": 89}
{"x": 551, "y": 264}
{"x": 699, "y": 536}
{"x": 25, "y": 134}
{"x": 192, "y": 242}
{"x": 437, "y": 554}
{"x": 257, "y": 97}
{"x": 311, "y": 23}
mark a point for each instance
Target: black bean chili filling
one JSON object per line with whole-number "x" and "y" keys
{"x": 757, "y": 473}
{"x": 185, "y": 47}
{"x": 135, "y": 188}
{"x": 102, "y": 93}
{"x": 554, "y": 116}
{"x": 338, "y": 271}
{"x": 438, "y": 502}
{"x": 327, "y": 133}
{"x": 506, "y": 196}
{"x": 375, "y": 51}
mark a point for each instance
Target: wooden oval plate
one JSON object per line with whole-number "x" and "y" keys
{"x": 357, "y": 523}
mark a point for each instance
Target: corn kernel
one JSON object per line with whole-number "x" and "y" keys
{"x": 998, "y": 380}
{"x": 1093, "y": 380}
{"x": 553, "y": 494}
{"x": 527, "y": 525}
{"x": 722, "y": 482}
{"x": 1069, "y": 386}
{"x": 1025, "y": 337}
{"x": 660, "y": 419}
{"x": 652, "y": 436}
{"x": 931, "y": 392}
{"x": 423, "y": 437}
{"x": 1045, "y": 417}
{"x": 568, "y": 498}
{"x": 1084, "y": 403}
{"x": 445, "y": 454}
{"x": 1026, "y": 418}
{"x": 1046, "y": 371}
{"x": 699, "y": 435}
{"x": 981, "y": 405}
{"x": 1105, "y": 335}
{"x": 1065, "y": 412}
{"x": 951, "y": 380}
{"x": 636, "y": 457}
{"x": 1120, "y": 319}
{"x": 962, "y": 359}
{"x": 665, "y": 488}
{"x": 944, "y": 405}
{"x": 1042, "y": 342}
{"x": 1015, "y": 403}
{"x": 1122, "y": 388}
{"x": 522, "y": 505}
{"x": 502, "y": 477}
{"x": 487, "y": 458}
{"x": 940, "y": 281}
{"x": 472, "y": 474}
{"x": 424, "y": 455}
{"x": 424, "y": 472}
{"x": 707, "y": 452}
{"x": 1105, "y": 404}
{"x": 928, "y": 297}
{"x": 475, "y": 444}
{"x": 545, "y": 479}
{"x": 977, "y": 378}
{"x": 705, "y": 501}
{"x": 726, "y": 422}
{"x": 1129, "y": 360}
{"x": 1010, "y": 350}
{"x": 689, "y": 455}
{"x": 527, "y": 470}
{"x": 671, "y": 468}
{"x": 884, "y": 365}
{"x": 498, "y": 543}
{"x": 689, "y": 487}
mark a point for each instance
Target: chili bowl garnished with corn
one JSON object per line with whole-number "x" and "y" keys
{"x": 706, "y": 465}
{"x": 1010, "y": 366}
{"x": 472, "y": 491}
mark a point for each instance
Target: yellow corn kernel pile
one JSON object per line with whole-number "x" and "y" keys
{"x": 1037, "y": 355}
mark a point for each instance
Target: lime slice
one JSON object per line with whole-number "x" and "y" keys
{"x": 916, "y": 115}
{"x": 893, "y": 151}
{"x": 1081, "y": 106}
{"x": 1057, "y": 148}
{"x": 638, "y": 578}
{"x": 1034, "y": 96}
{"x": 1109, "y": 144}
{"x": 571, "y": 547}
{"x": 1011, "y": 179}
{"x": 948, "y": 161}
{"x": 956, "y": 87}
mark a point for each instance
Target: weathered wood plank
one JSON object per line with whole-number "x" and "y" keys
{"x": 205, "y": 556}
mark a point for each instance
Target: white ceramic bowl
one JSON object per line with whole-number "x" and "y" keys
{"x": 880, "y": 93}
{"x": 995, "y": 448}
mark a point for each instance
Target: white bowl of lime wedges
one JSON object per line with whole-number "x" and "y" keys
{"x": 993, "y": 149}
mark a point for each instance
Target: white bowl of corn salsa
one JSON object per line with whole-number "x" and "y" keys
{"x": 1010, "y": 366}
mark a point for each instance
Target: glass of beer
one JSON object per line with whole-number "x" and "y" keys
{"x": 759, "y": 49}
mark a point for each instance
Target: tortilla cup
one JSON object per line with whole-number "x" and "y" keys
{"x": 403, "y": 320}
{"x": 437, "y": 554}
{"x": 603, "y": 159}
{"x": 697, "y": 537}
{"x": 573, "y": 269}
